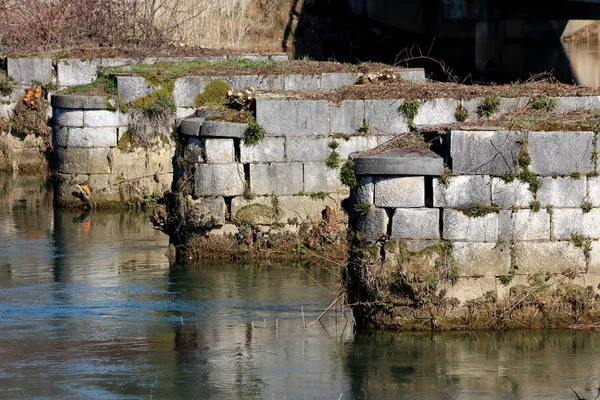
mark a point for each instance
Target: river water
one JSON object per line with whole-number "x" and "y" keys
{"x": 90, "y": 308}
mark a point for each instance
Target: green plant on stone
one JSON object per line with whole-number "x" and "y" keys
{"x": 501, "y": 242}
{"x": 152, "y": 197}
{"x": 318, "y": 195}
{"x": 214, "y": 93}
{"x": 479, "y": 210}
{"x": 461, "y": 114}
{"x": 255, "y": 132}
{"x": 523, "y": 158}
{"x": 299, "y": 249}
{"x": 535, "y": 206}
{"x": 488, "y": 107}
{"x": 543, "y": 103}
{"x": 526, "y": 176}
{"x": 6, "y": 85}
{"x": 587, "y": 207}
{"x": 410, "y": 109}
{"x": 362, "y": 209}
{"x": 445, "y": 178}
{"x": 506, "y": 279}
{"x": 576, "y": 176}
{"x": 340, "y": 135}
{"x": 582, "y": 242}
{"x": 348, "y": 175}
{"x": 508, "y": 176}
{"x": 550, "y": 209}
{"x": 363, "y": 129}
{"x": 333, "y": 159}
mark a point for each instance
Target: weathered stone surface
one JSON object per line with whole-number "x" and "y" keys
{"x": 160, "y": 159}
{"x": 512, "y": 104}
{"x": 562, "y": 192}
{"x": 571, "y": 221}
{"x": 184, "y": 112}
{"x": 593, "y": 186}
{"x": 76, "y": 72}
{"x": 356, "y": 143}
{"x": 127, "y": 165}
{"x": 411, "y": 74}
{"x": 347, "y": 116}
{"x": 553, "y": 257}
{"x": 28, "y": 69}
{"x": 566, "y": 103}
{"x": 334, "y": 80}
{"x": 205, "y": 213}
{"x": 318, "y": 177}
{"x": 594, "y": 264}
{"x": 471, "y": 107}
{"x": 402, "y": 192}
{"x": 301, "y": 81}
{"x": 60, "y": 136}
{"x": 241, "y": 82}
{"x": 191, "y": 126}
{"x": 373, "y": 224}
{"x": 365, "y": 192}
{"x": 437, "y": 111}
{"x": 269, "y": 149}
{"x": 92, "y": 137}
{"x": 458, "y": 226}
{"x": 383, "y": 139}
{"x": 187, "y": 88}
{"x": 400, "y": 163}
{"x": 276, "y": 178}
{"x": 306, "y": 210}
{"x": 382, "y": 116}
{"x": 193, "y": 151}
{"x": 67, "y": 117}
{"x": 293, "y": 117}
{"x": 219, "y": 151}
{"x": 491, "y": 153}
{"x": 219, "y": 179}
{"x": 481, "y": 259}
{"x": 525, "y": 225}
{"x": 307, "y": 148}
{"x": 223, "y": 129}
{"x": 470, "y": 288}
{"x": 506, "y": 195}
{"x": 101, "y": 118}
{"x": 561, "y": 153}
{"x": 463, "y": 191}
{"x": 256, "y": 211}
{"x": 82, "y": 160}
{"x": 416, "y": 223}
{"x": 131, "y": 88}
{"x": 68, "y": 101}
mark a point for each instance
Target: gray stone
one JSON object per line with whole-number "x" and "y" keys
{"x": 334, "y": 80}
{"x": 506, "y": 195}
{"x": 82, "y": 160}
{"x": 67, "y": 117}
{"x": 28, "y": 69}
{"x": 481, "y": 259}
{"x": 416, "y": 223}
{"x": 373, "y": 224}
{"x": 219, "y": 151}
{"x": 78, "y": 102}
{"x": 492, "y": 153}
{"x": 131, "y": 88}
{"x": 463, "y": 191}
{"x": 402, "y": 192}
{"x": 411, "y": 74}
{"x": 365, "y": 192}
{"x": 383, "y": 139}
{"x": 117, "y": 62}
{"x": 293, "y": 117}
{"x": 128, "y": 165}
{"x": 306, "y": 210}
{"x": 355, "y": 144}
{"x": 458, "y": 226}
{"x": 572, "y": 221}
{"x": 269, "y": 149}
{"x": 437, "y": 111}
{"x": 223, "y": 129}
{"x": 191, "y": 126}
{"x": 512, "y": 104}
{"x": 561, "y": 153}
{"x": 160, "y": 159}
{"x": 253, "y": 211}
{"x": 347, "y": 116}
{"x": 301, "y": 81}
{"x": 300, "y": 148}
{"x": 566, "y": 103}
{"x": 76, "y": 72}
{"x": 562, "y": 192}
{"x": 470, "y": 288}
{"x": 471, "y": 107}
{"x": 383, "y": 117}
{"x": 552, "y": 257}
{"x": 219, "y": 179}
{"x": 318, "y": 177}
{"x": 204, "y": 213}
{"x": 276, "y": 178}
{"x": 193, "y": 152}
{"x": 594, "y": 263}
{"x": 101, "y": 118}
{"x": 400, "y": 163}
{"x": 92, "y": 137}
{"x": 593, "y": 196}
{"x": 187, "y": 88}
{"x": 184, "y": 112}
{"x": 524, "y": 225}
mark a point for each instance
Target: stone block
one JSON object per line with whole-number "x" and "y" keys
{"x": 68, "y": 101}
{"x": 184, "y": 112}
{"x": 487, "y": 152}
{"x": 318, "y": 177}
{"x": 594, "y": 263}
{"x": 562, "y": 192}
{"x": 256, "y": 211}
{"x": 411, "y": 74}
{"x": 561, "y": 153}
{"x": 301, "y": 82}
{"x": 219, "y": 179}
{"x": 346, "y": 117}
{"x": 306, "y": 210}
{"x": 468, "y": 288}
{"x": 276, "y": 178}
{"x": 101, "y": 118}
{"x": 269, "y": 149}
{"x": 437, "y": 111}
{"x": 293, "y": 117}
{"x": 193, "y": 152}
{"x": 416, "y": 223}
{"x": 307, "y": 149}
{"x": 593, "y": 192}
{"x": 458, "y": 226}
{"x": 191, "y": 126}
{"x": 82, "y": 160}
{"x": 383, "y": 117}
{"x": 463, "y": 191}
{"x": 525, "y": 225}
{"x": 506, "y": 195}
{"x": 76, "y": 72}
{"x": 205, "y": 213}
{"x": 354, "y": 144}
{"x": 400, "y": 163}
{"x": 383, "y": 139}
{"x": 334, "y": 80}
{"x": 219, "y": 151}
{"x": 571, "y": 221}
{"x": 365, "y": 192}
{"x": 481, "y": 259}
{"x": 160, "y": 160}
{"x": 553, "y": 257}
{"x": 471, "y": 107}
{"x": 405, "y": 192}
{"x": 223, "y": 129}
{"x": 60, "y": 136}
{"x": 566, "y": 103}
{"x": 373, "y": 224}
{"x": 28, "y": 69}
{"x": 92, "y": 137}
{"x": 512, "y": 104}
{"x": 187, "y": 88}
{"x": 127, "y": 165}
{"x": 131, "y": 88}
{"x": 67, "y": 117}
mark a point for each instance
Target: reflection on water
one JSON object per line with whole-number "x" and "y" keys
{"x": 91, "y": 308}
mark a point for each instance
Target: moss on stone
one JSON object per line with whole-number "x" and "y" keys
{"x": 214, "y": 93}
